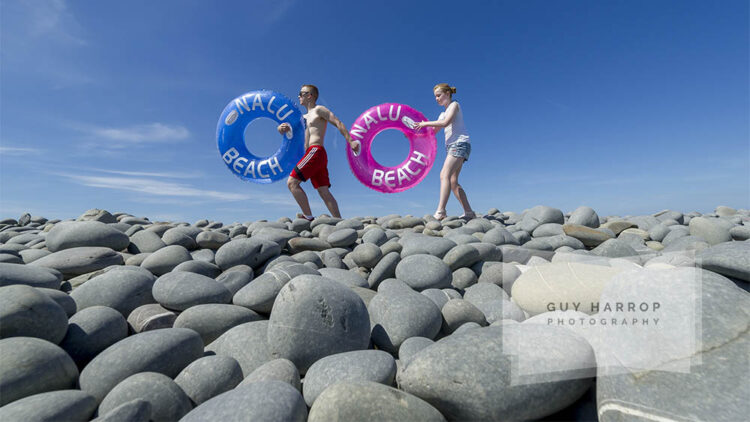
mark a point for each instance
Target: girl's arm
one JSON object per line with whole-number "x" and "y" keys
{"x": 450, "y": 114}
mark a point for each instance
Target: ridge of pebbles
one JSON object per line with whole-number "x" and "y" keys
{"x": 539, "y": 314}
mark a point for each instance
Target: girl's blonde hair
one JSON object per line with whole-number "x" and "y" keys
{"x": 445, "y": 88}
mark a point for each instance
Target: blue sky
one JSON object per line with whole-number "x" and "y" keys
{"x": 629, "y": 107}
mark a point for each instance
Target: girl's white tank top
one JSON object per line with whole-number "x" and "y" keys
{"x": 456, "y": 131}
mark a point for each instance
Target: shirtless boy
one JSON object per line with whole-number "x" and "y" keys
{"x": 314, "y": 164}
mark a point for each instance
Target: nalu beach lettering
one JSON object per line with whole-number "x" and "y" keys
{"x": 393, "y": 178}
{"x": 415, "y": 166}
{"x": 245, "y": 103}
{"x": 251, "y": 169}
{"x": 233, "y": 147}
{"x": 358, "y": 131}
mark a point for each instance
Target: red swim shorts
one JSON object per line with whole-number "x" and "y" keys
{"x": 313, "y": 166}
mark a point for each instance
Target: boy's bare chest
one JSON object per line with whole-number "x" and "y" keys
{"x": 314, "y": 120}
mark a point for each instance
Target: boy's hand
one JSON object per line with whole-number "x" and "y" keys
{"x": 355, "y": 145}
{"x": 284, "y": 127}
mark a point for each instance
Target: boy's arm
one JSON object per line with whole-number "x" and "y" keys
{"x": 332, "y": 119}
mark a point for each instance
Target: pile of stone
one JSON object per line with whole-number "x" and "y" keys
{"x": 509, "y": 316}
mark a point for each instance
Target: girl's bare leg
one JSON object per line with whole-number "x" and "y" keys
{"x": 449, "y": 168}
{"x": 458, "y": 191}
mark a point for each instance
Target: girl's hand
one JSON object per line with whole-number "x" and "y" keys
{"x": 419, "y": 125}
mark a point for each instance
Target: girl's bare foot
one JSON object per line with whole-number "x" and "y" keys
{"x": 469, "y": 215}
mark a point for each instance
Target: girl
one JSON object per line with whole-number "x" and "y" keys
{"x": 457, "y": 146}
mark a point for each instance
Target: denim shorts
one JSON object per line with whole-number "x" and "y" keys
{"x": 459, "y": 149}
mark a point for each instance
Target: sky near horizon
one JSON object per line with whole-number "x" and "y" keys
{"x": 629, "y": 107}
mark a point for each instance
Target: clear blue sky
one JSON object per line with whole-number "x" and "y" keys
{"x": 629, "y": 107}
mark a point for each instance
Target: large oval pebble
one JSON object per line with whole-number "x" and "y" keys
{"x": 82, "y": 260}
{"x": 166, "y": 259}
{"x": 511, "y": 372}
{"x": 72, "y": 234}
{"x": 213, "y": 320}
{"x": 31, "y": 366}
{"x": 52, "y": 406}
{"x": 28, "y": 275}
{"x": 370, "y": 401}
{"x": 360, "y": 365}
{"x": 91, "y": 331}
{"x": 166, "y": 351}
{"x": 246, "y": 343}
{"x": 168, "y": 401}
{"x": 423, "y": 271}
{"x": 314, "y": 317}
{"x": 180, "y": 290}
{"x": 208, "y": 377}
{"x": 123, "y": 289}
{"x": 28, "y": 312}
{"x": 261, "y": 401}
{"x": 400, "y": 314}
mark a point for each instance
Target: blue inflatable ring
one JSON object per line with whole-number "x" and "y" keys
{"x": 230, "y": 135}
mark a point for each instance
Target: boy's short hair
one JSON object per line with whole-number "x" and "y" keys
{"x": 313, "y": 90}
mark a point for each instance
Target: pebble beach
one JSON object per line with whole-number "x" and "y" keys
{"x": 540, "y": 314}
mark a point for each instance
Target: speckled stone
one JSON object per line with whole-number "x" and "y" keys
{"x": 213, "y": 320}
{"x": 30, "y": 366}
{"x": 474, "y": 375}
{"x": 367, "y": 255}
{"x": 180, "y": 290}
{"x": 567, "y": 283}
{"x": 235, "y": 280}
{"x": 150, "y": 317}
{"x": 123, "y": 289}
{"x": 134, "y": 410}
{"x": 29, "y": 275}
{"x": 199, "y": 267}
{"x": 91, "y": 331}
{"x": 61, "y": 298}
{"x": 370, "y": 401}
{"x": 347, "y": 278}
{"x": 52, "y": 406}
{"x": 76, "y": 261}
{"x": 262, "y": 292}
{"x": 698, "y": 370}
{"x": 314, "y": 317}
{"x": 166, "y": 259}
{"x": 27, "y": 312}
{"x": 168, "y": 401}
{"x": 361, "y": 365}
{"x": 457, "y": 312}
{"x": 208, "y": 377}
{"x": 730, "y": 259}
{"x": 420, "y": 244}
{"x": 166, "y": 351}
{"x": 246, "y": 343}
{"x": 276, "y": 370}
{"x": 72, "y": 234}
{"x": 410, "y": 347}
{"x": 423, "y": 272}
{"x": 261, "y": 401}
{"x": 399, "y": 313}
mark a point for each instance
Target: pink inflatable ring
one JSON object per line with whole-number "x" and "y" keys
{"x": 421, "y": 153}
